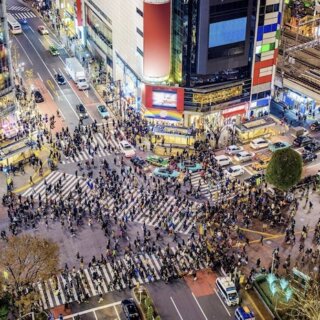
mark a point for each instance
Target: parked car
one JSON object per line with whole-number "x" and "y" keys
{"x": 259, "y": 143}
{"x": 38, "y": 97}
{"x": 82, "y": 111}
{"x": 223, "y": 160}
{"x": 312, "y": 147}
{"x": 190, "y": 166}
{"x": 279, "y": 146}
{"x": 234, "y": 171}
{"x": 127, "y": 149}
{"x": 43, "y": 30}
{"x": 302, "y": 141}
{"x": 244, "y": 156}
{"x": 255, "y": 179}
{"x": 54, "y": 50}
{"x": 261, "y": 163}
{"x": 157, "y": 161}
{"x": 60, "y": 79}
{"x": 166, "y": 173}
{"x": 309, "y": 157}
{"x": 233, "y": 149}
{"x": 130, "y": 309}
{"x": 103, "y": 111}
{"x": 315, "y": 126}
{"x": 139, "y": 162}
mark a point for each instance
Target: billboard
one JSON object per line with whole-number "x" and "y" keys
{"x": 156, "y": 39}
{"x": 227, "y": 32}
{"x": 164, "y": 99}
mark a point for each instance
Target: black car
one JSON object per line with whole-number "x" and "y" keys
{"x": 138, "y": 162}
{"x": 315, "y": 126}
{"x": 312, "y": 147}
{"x": 60, "y": 79}
{"x": 255, "y": 179}
{"x": 302, "y": 141}
{"x": 38, "y": 96}
{"x": 130, "y": 309}
{"x": 82, "y": 112}
{"x": 309, "y": 157}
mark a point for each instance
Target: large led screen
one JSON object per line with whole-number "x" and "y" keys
{"x": 164, "y": 99}
{"x": 227, "y": 32}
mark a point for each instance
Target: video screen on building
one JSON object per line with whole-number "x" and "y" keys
{"x": 227, "y": 32}
{"x": 164, "y": 99}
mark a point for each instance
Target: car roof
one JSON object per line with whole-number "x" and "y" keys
{"x": 222, "y": 156}
{"x": 244, "y": 152}
{"x": 259, "y": 140}
{"x": 236, "y": 167}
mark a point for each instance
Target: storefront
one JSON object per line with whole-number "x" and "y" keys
{"x": 299, "y": 103}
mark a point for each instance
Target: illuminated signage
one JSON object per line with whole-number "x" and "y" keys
{"x": 217, "y": 96}
{"x": 164, "y": 99}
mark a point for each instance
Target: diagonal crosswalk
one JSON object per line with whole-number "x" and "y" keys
{"x": 109, "y": 276}
{"x": 167, "y": 212}
{"x": 89, "y": 152}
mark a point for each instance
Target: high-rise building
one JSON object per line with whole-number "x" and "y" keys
{"x": 6, "y": 83}
{"x": 201, "y": 63}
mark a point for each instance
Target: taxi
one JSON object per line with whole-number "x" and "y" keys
{"x": 244, "y": 313}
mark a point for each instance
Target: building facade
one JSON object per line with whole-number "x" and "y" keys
{"x": 201, "y": 63}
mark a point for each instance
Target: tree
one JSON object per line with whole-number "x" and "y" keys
{"x": 284, "y": 169}
{"x": 25, "y": 260}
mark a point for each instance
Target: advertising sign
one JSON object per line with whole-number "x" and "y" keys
{"x": 164, "y": 99}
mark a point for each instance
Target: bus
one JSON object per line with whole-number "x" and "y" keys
{"x": 14, "y": 25}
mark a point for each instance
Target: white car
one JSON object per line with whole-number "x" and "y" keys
{"x": 233, "y": 149}
{"x": 244, "y": 156}
{"x": 127, "y": 149}
{"x": 43, "y": 30}
{"x": 259, "y": 143}
{"x": 223, "y": 160}
{"x": 234, "y": 171}
{"x": 83, "y": 85}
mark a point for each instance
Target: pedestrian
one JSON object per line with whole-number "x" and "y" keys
{"x": 261, "y": 239}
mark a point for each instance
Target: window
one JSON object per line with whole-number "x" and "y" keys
{"x": 140, "y": 32}
{"x": 139, "y": 12}
{"x": 140, "y": 51}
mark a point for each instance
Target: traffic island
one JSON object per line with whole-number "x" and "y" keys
{"x": 145, "y": 303}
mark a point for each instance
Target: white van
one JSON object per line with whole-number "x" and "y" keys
{"x": 227, "y": 290}
{"x": 223, "y": 160}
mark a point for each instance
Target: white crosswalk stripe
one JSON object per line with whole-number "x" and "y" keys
{"x": 24, "y": 15}
{"x": 101, "y": 278}
{"x": 204, "y": 187}
{"x": 18, "y": 8}
{"x": 102, "y": 151}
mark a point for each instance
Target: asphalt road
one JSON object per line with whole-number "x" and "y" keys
{"x": 32, "y": 49}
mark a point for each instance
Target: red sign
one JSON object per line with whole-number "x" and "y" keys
{"x": 79, "y": 13}
{"x": 233, "y": 111}
{"x": 163, "y": 97}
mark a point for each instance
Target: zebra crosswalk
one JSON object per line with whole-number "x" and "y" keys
{"x": 166, "y": 212}
{"x": 18, "y": 8}
{"x": 89, "y": 153}
{"x": 196, "y": 179}
{"x": 106, "y": 277}
{"x": 23, "y": 15}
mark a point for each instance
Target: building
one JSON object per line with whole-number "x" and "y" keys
{"x": 6, "y": 73}
{"x": 202, "y": 63}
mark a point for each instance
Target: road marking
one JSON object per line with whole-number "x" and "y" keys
{"x": 31, "y": 29}
{"x": 95, "y": 315}
{"x": 176, "y": 308}
{"x": 23, "y": 49}
{"x": 71, "y": 316}
{"x": 51, "y": 75}
{"x": 256, "y": 307}
{"x": 40, "y": 77}
{"x": 194, "y": 297}
{"x": 118, "y": 316}
{"x": 228, "y": 312}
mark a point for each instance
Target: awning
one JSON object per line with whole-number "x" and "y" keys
{"x": 227, "y": 113}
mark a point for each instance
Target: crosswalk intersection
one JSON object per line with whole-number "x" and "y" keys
{"x": 18, "y": 8}
{"x": 23, "y": 15}
{"x": 100, "y": 278}
{"x": 88, "y": 153}
{"x": 166, "y": 211}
